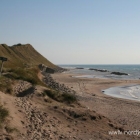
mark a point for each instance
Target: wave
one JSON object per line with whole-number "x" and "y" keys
{"x": 130, "y": 92}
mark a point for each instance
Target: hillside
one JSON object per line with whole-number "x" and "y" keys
{"x": 37, "y": 105}
{"x": 23, "y": 55}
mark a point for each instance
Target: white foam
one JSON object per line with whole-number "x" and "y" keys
{"x": 128, "y": 92}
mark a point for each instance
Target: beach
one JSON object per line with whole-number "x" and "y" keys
{"x": 89, "y": 93}
{"x": 92, "y": 116}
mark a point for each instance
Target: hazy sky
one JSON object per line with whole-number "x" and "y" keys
{"x": 75, "y": 31}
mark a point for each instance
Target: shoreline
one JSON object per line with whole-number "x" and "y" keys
{"x": 129, "y": 92}
{"x": 126, "y": 72}
{"x": 123, "y": 111}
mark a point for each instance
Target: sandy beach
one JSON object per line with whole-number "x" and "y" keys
{"x": 89, "y": 92}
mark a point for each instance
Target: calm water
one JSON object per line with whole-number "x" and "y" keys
{"x": 132, "y": 70}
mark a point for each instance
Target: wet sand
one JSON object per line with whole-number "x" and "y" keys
{"x": 130, "y": 92}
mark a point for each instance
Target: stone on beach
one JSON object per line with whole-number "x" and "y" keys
{"x": 119, "y": 73}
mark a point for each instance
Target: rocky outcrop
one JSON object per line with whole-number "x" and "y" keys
{"x": 44, "y": 68}
{"x": 47, "y": 69}
{"x": 98, "y": 70}
{"x": 119, "y": 73}
{"x": 50, "y": 82}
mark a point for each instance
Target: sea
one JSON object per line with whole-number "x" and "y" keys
{"x": 133, "y": 71}
{"x": 130, "y": 92}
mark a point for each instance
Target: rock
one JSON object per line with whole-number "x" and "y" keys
{"x": 119, "y": 73}
{"x": 61, "y": 137}
{"x": 93, "y": 117}
{"x": 55, "y": 107}
{"x": 84, "y": 119}
{"x": 49, "y": 70}
{"x": 110, "y": 124}
{"x": 44, "y": 68}
{"x": 98, "y": 70}
{"x": 22, "y": 122}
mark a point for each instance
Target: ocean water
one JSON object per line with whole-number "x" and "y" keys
{"x": 132, "y": 70}
{"x": 131, "y": 92}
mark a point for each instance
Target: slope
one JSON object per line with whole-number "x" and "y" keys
{"x": 23, "y": 55}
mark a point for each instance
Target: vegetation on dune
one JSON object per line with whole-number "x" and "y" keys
{"x": 29, "y": 75}
{"x": 12, "y": 75}
{"x": 3, "y": 114}
{"x": 6, "y": 85}
{"x": 22, "y": 55}
{"x": 22, "y": 64}
{"x": 60, "y": 97}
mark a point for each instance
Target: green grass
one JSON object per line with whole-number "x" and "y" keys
{"x": 22, "y": 55}
{"x": 70, "y": 98}
{"x": 60, "y": 97}
{"x": 29, "y": 75}
{"x": 3, "y": 114}
{"x": 12, "y": 75}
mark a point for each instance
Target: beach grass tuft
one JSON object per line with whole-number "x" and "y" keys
{"x": 60, "y": 97}
{"x": 29, "y": 75}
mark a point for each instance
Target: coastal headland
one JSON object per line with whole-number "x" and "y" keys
{"x": 41, "y": 101}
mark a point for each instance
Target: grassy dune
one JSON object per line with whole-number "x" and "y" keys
{"x": 22, "y": 56}
{"x": 22, "y": 64}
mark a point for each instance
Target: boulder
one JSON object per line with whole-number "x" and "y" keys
{"x": 119, "y": 73}
{"x": 44, "y": 68}
{"x": 98, "y": 70}
{"x": 49, "y": 70}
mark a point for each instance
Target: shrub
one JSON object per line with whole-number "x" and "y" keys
{"x": 61, "y": 97}
{"x": 3, "y": 114}
{"x": 50, "y": 93}
{"x": 5, "y": 85}
{"x": 70, "y": 98}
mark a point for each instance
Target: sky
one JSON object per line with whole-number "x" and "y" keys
{"x": 74, "y": 31}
